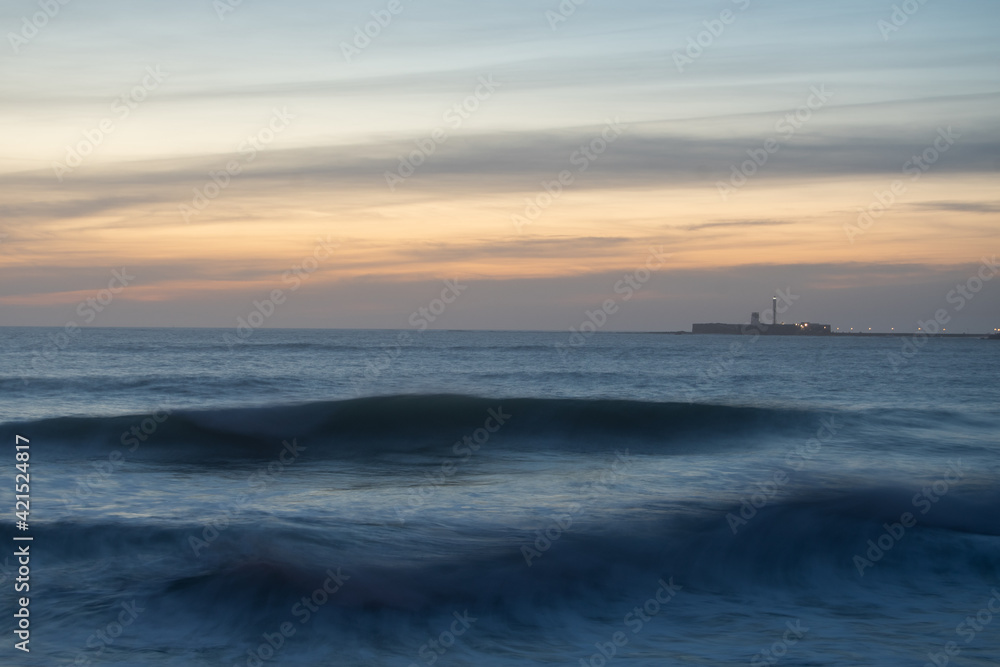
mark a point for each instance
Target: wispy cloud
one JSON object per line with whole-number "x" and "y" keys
{"x": 958, "y": 206}
{"x": 736, "y": 223}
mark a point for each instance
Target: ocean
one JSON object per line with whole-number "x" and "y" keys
{"x": 312, "y": 497}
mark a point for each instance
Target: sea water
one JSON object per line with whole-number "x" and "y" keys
{"x": 307, "y": 497}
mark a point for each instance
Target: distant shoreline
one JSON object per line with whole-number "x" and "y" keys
{"x": 868, "y": 334}
{"x": 832, "y": 334}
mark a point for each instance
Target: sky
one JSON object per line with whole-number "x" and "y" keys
{"x": 347, "y": 164}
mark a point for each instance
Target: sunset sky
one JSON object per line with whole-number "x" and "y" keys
{"x": 116, "y": 116}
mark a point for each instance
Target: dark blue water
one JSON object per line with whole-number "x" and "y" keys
{"x": 460, "y": 498}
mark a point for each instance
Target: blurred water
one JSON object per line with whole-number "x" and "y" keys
{"x": 431, "y": 478}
